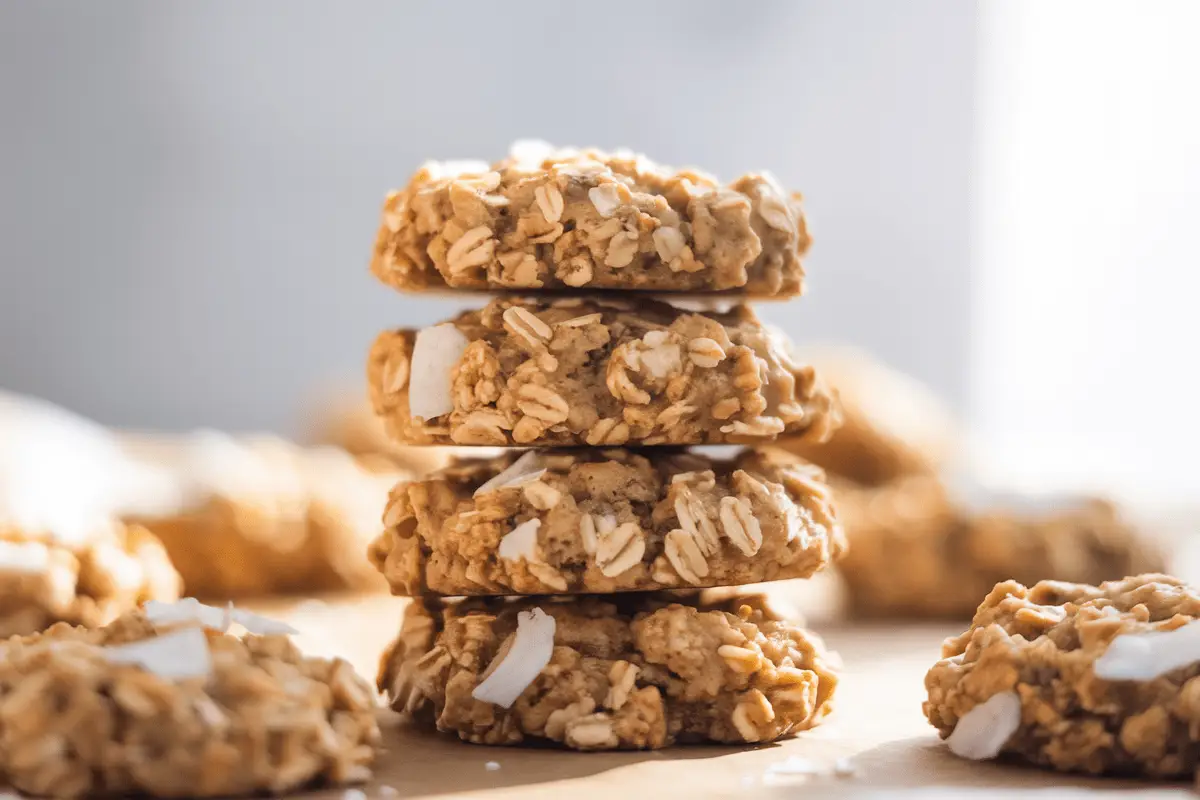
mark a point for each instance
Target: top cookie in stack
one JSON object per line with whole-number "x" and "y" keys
{"x": 547, "y": 219}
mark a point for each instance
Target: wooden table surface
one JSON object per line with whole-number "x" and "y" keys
{"x": 877, "y": 732}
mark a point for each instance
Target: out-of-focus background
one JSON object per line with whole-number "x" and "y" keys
{"x": 190, "y": 192}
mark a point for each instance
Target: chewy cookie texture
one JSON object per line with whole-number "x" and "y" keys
{"x": 569, "y": 219}
{"x": 597, "y": 373}
{"x": 917, "y": 551}
{"x": 154, "y": 704}
{"x": 607, "y": 520}
{"x": 1079, "y": 678}
{"x": 635, "y": 671}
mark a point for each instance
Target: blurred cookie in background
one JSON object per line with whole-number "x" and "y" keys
{"x": 257, "y": 515}
{"x": 346, "y": 420}
{"x": 64, "y": 556}
{"x": 893, "y": 425}
{"x": 919, "y": 550}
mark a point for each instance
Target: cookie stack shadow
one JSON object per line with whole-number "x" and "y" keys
{"x": 581, "y": 587}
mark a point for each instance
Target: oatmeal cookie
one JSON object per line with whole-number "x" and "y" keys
{"x": 583, "y": 372}
{"x": 892, "y": 425}
{"x": 917, "y": 551}
{"x": 610, "y": 520}
{"x": 84, "y": 574}
{"x": 638, "y": 671}
{"x": 1096, "y": 679}
{"x": 571, "y": 219}
{"x": 170, "y": 709}
{"x": 256, "y": 515}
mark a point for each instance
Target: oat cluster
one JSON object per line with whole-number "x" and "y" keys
{"x": 605, "y": 373}
{"x": 582, "y": 219}
{"x": 626, "y": 672}
{"x": 265, "y": 719}
{"x": 1046, "y": 643}
{"x": 605, "y": 520}
{"x": 86, "y": 579}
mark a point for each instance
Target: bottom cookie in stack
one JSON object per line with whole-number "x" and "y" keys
{"x": 623, "y": 671}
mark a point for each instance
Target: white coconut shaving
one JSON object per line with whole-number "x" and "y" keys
{"x": 981, "y": 733}
{"x": 435, "y": 355}
{"x": 521, "y": 541}
{"x": 190, "y": 610}
{"x": 532, "y": 646}
{"x": 28, "y": 558}
{"x": 526, "y": 469}
{"x": 175, "y": 656}
{"x": 1146, "y": 656}
{"x": 260, "y": 625}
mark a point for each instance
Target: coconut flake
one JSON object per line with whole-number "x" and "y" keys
{"x": 532, "y": 646}
{"x": 191, "y": 610}
{"x": 605, "y": 199}
{"x": 793, "y": 765}
{"x": 435, "y": 355}
{"x": 521, "y": 541}
{"x": 981, "y": 733}
{"x": 175, "y": 656}
{"x": 1145, "y": 656}
{"x": 32, "y": 558}
{"x": 258, "y": 624}
{"x": 526, "y": 469}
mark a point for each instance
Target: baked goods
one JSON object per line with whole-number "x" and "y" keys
{"x": 598, "y": 373}
{"x": 592, "y": 520}
{"x": 1078, "y": 678}
{"x": 637, "y": 671}
{"x": 892, "y": 425}
{"x": 256, "y": 515}
{"x": 86, "y": 575}
{"x": 569, "y": 219}
{"x": 63, "y": 554}
{"x": 155, "y": 704}
{"x": 918, "y": 551}
{"x": 579, "y": 651}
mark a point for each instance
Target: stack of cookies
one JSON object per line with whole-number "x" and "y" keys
{"x": 563, "y": 591}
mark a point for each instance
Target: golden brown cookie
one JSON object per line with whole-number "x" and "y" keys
{"x": 569, "y": 219}
{"x": 638, "y": 671}
{"x": 892, "y": 425}
{"x": 80, "y": 575}
{"x": 252, "y": 516}
{"x": 607, "y": 520}
{"x": 156, "y": 705}
{"x": 1097, "y": 679}
{"x": 585, "y": 372}
{"x": 917, "y": 551}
